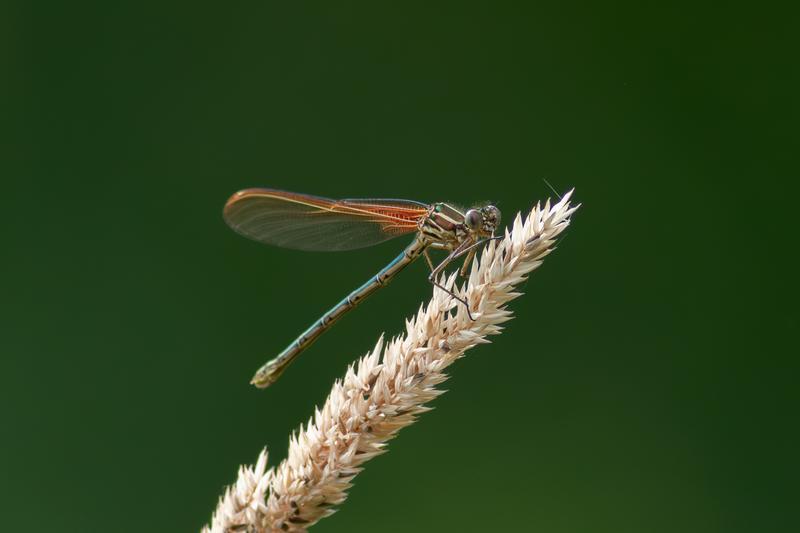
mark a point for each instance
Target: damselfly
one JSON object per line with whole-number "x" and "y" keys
{"x": 312, "y": 223}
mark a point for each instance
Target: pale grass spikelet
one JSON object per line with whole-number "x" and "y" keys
{"x": 386, "y": 389}
{"x": 243, "y": 502}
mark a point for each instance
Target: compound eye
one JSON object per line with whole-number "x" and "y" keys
{"x": 473, "y": 219}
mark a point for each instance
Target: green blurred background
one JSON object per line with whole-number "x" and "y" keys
{"x": 648, "y": 382}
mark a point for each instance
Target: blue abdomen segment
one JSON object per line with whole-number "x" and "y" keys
{"x": 270, "y": 372}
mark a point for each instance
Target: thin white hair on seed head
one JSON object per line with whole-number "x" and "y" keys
{"x": 386, "y": 389}
{"x": 551, "y": 188}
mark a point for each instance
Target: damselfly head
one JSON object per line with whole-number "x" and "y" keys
{"x": 483, "y": 220}
{"x": 490, "y": 219}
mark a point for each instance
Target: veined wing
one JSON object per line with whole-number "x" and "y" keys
{"x": 306, "y": 222}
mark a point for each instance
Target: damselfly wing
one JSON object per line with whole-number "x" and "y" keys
{"x": 313, "y": 223}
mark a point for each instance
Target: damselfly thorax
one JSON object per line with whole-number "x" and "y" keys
{"x": 313, "y": 223}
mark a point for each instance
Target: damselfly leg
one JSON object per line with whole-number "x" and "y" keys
{"x": 465, "y": 248}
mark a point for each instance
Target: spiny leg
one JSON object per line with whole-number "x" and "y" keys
{"x": 452, "y": 294}
{"x": 467, "y": 261}
{"x": 428, "y": 259}
{"x": 436, "y": 271}
{"x": 465, "y": 247}
{"x": 472, "y": 249}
